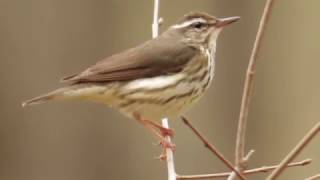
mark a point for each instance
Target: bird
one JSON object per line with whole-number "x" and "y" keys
{"x": 160, "y": 78}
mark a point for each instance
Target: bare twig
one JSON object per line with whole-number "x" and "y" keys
{"x": 315, "y": 177}
{"x": 295, "y": 152}
{"x": 155, "y": 24}
{"x": 263, "y": 169}
{"x": 246, "y": 159}
{"x": 248, "y": 156}
{"x": 169, "y": 153}
{"x": 212, "y": 148}
{"x": 248, "y": 88}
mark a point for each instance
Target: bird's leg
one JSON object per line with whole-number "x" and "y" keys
{"x": 164, "y": 131}
{"x": 152, "y": 127}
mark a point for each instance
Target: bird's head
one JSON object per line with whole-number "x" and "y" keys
{"x": 201, "y": 29}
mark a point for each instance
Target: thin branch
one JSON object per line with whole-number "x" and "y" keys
{"x": 248, "y": 87}
{"x": 212, "y": 148}
{"x": 246, "y": 159}
{"x": 295, "y": 152}
{"x": 315, "y": 177}
{"x": 169, "y": 154}
{"x": 248, "y": 156}
{"x": 155, "y": 24}
{"x": 263, "y": 169}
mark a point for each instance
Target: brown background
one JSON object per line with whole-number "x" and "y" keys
{"x": 43, "y": 40}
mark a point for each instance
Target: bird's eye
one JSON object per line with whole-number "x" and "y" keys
{"x": 198, "y": 25}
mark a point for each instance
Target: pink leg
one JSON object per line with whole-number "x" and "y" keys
{"x": 152, "y": 127}
{"x": 164, "y": 131}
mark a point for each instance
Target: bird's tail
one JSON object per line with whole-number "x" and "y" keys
{"x": 54, "y": 95}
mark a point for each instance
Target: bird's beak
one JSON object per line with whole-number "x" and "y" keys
{"x": 226, "y": 21}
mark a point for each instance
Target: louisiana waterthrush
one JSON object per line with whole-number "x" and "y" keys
{"x": 161, "y": 78}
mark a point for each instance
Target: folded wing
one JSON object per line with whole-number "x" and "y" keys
{"x": 156, "y": 57}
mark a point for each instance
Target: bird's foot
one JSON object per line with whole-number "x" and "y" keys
{"x": 165, "y": 145}
{"x": 166, "y": 132}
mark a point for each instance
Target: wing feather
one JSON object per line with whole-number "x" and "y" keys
{"x": 159, "y": 56}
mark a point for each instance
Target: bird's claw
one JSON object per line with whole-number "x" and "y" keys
{"x": 166, "y": 132}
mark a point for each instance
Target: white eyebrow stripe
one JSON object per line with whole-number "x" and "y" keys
{"x": 188, "y": 23}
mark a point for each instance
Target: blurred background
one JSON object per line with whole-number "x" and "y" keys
{"x": 43, "y": 40}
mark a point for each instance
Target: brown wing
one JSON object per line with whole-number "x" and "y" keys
{"x": 155, "y": 57}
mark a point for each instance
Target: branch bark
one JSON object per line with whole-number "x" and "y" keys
{"x": 295, "y": 152}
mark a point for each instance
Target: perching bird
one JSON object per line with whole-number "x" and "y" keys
{"x": 161, "y": 78}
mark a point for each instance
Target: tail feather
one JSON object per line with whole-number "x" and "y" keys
{"x": 44, "y": 98}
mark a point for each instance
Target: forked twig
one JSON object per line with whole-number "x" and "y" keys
{"x": 263, "y": 169}
{"x": 248, "y": 88}
{"x": 295, "y": 152}
{"x": 213, "y": 149}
